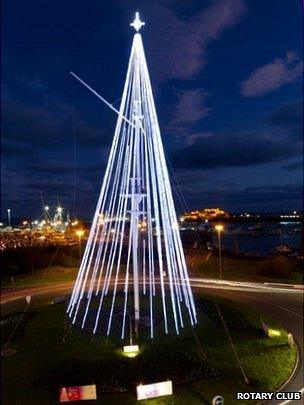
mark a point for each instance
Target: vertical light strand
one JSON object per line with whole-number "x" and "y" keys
{"x": 144, "y": 266}
{"x": 168, "y": 190}
{"x": 79, "y": 282}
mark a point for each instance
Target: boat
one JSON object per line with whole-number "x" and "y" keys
{"x": 283, "y": 249}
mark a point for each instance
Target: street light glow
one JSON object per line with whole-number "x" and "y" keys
{"x": 80, "y": 233}
{"x": 219, "y": 228}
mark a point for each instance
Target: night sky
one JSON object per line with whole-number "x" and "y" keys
{"x": 227, "y": 81}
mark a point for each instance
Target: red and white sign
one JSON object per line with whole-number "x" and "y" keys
{"x": 70, "y": 394}
{"x": 154, "y": 390}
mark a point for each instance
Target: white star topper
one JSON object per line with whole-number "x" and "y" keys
{"x": 137, "y": 23}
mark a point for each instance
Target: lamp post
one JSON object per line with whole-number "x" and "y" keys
{"x": 79, "y": 233}
{"x": 219, "y": 228}
{"x": 9, "y": 217}
{"x": 46, "y": 211}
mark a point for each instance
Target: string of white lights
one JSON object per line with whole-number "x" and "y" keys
{"x": 134, "y": 235}
{"x": 103, "y": 193}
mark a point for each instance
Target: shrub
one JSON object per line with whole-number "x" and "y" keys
{"x": 121, "y": 374}
{"x": 277, "y": 267}
{"x": 9, "y": 324}
{"x": 233, "y": 318}
{"x": 30, "y": 258}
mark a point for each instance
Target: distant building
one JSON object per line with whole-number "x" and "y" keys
{"x": 206, "y": 214}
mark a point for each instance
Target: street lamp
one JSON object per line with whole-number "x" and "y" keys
{"x": 219, "y": 228}
{"x": 79, "y": 233}
{"x": 46, "y": 213}
{"x": 9, "y": 217}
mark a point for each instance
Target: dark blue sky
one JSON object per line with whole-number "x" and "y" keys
{"x": 226, "y": 76}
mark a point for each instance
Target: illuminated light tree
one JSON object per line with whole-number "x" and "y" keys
{"x": 134, "y": 239}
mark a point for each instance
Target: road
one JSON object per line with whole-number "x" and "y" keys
{"x": 283, "y": 303}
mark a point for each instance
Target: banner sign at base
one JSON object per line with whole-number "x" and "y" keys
{"x": 70, "y": 394}
{"x": 154, "y": 390}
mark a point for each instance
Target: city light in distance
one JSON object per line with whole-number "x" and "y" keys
{"x": 290, "y": 216}
{"x": 79, "y": 232}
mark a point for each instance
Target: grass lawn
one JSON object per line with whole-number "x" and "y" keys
{"x": 237, "y": 269}
{"x": 267, "y": 362}
{"x": 40, "y": 277}
{"x": 233, "y": 269}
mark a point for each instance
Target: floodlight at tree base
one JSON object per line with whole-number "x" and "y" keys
{"x": 131, "y": 351}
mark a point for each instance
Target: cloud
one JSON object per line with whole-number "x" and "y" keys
{"x": 272, "y": 76}
{"x": 15, "y": 149}
{"x": 190, "y": 108}
{"x": 54, "y": 186}
{"x": 294, "y": 166}
{"x": 54, "y": 167}
{"x": 49, "y": 186}
{"x": 48, "y": 166}
{"x": 49, "y": 127}
{"x": 178, "y": 48}
{"x": 232, "y": 150}
{"x": 35, "y": 83}
{"x": 233, "y": 197}
{"x": 32, "y": 125}
{"x": 259, "y": 194}
{"x": 287, "y": 115}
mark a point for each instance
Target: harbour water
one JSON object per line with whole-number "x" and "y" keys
{"x": 259, "y": 240}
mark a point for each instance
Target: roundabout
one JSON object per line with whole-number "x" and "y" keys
{"x": 199, "y": 361}
{"x": 134, "y": 320}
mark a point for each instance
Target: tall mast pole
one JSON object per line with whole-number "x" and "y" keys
{"x": 136, "y": 181}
